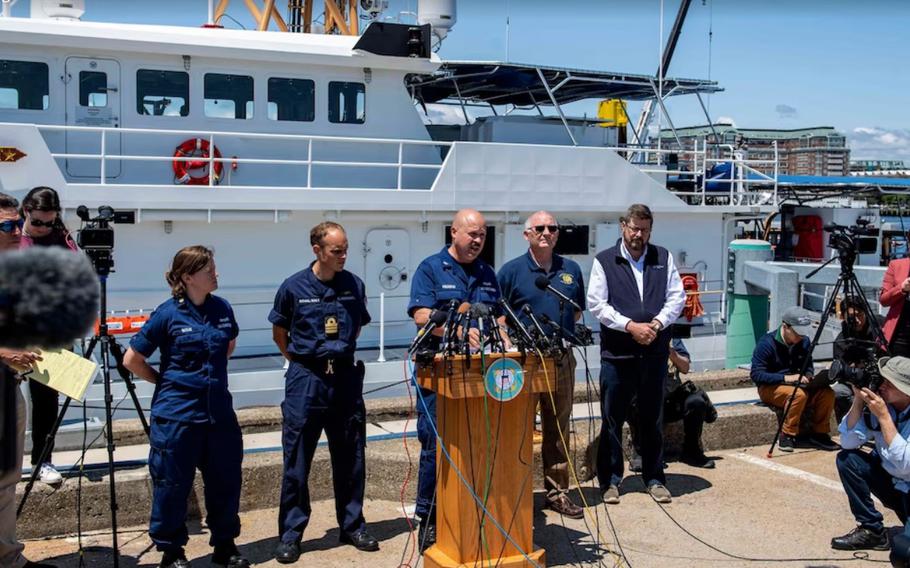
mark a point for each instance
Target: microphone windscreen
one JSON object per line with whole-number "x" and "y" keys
{"x": 480, "y": 310}
{"x": 49, "y": 297}
{"x": 542, "y": 282}
{"x": 439, "y": 317}
{"x": 464, "y": 307}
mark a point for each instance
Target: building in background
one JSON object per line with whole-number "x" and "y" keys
{"x": 879, "y": 168}
{"x": 816, "y": 151}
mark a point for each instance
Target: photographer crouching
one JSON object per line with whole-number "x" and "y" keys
{"x": 884, "y": 472}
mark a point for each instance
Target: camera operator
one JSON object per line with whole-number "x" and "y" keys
{"x": 884, "y": 472}
{"x": 853, "y": 347}
{"x": 683, "y": 401}
{"x": 10, "y": 362}
{"x": 895, "y": 288}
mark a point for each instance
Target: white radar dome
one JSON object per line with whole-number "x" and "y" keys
{"x": 440, "y": 14}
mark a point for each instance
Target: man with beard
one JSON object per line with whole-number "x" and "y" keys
{"x": 636, "y": 293}
{"x": 454, "y": 273}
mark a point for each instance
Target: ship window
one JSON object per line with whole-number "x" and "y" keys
{"x": 162, "y": 93}
{"x": 228, "y": 96}
{"x": 347, "y": 102}
{"x": 23, "y": 85}
{"x": 292, "y": 99}
{"x": 92, "y": 89}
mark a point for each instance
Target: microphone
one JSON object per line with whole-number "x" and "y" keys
{"x": 49, "y": 298}
{"x": 481, "y": 312}
{"x": 543, "y": 283}
{"x": 437, "y": 318}
{"x": 456, "y": 316}
{"x": 544, "y": 340}
{"x": 515, "y": 322}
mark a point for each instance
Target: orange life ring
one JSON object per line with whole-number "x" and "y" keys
{"x": 196, "y": 148}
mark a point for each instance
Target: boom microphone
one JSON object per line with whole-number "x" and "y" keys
{"x": 48, "y": 298}
{"x": 437, "y": 318}
{"x": 543, "y": 283}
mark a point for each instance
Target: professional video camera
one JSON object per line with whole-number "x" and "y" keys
{"x": 862, "y": 375}
{"x": 855, "y": 239}
{"x": 96, "y": 237}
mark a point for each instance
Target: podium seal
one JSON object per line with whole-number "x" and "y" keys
{"x": 504, "y": 379}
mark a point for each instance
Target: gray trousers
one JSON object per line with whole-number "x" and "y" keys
{"x": 10, "y": 548}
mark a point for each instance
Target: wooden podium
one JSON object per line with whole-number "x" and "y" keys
{"x": 480, "y": 429}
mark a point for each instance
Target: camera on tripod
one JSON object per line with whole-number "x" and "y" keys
{"x": 96, "y": 237}
{"x": 855, "y": 239}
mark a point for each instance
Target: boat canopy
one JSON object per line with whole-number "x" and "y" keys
{"x": 497, "y": 83}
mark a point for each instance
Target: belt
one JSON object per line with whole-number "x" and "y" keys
{"x": 326, "y": 365}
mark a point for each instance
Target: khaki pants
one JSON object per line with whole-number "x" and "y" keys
{"x": 554, "y": 418}
{"x": 821, "y": 401}
{"x": 10, "y": 548}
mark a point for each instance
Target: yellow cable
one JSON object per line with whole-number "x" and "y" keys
{"x": 565, "y": 446}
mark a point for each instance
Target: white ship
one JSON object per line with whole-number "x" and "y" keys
{"x": 308, "y": 127}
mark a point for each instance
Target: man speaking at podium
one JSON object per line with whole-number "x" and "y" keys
{"x": 636, "y": 294}
{"x": 519, "y": 281}
{"x": 455, "y": 273}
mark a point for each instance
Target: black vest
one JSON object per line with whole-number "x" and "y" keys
{"x": 622, "y": 294}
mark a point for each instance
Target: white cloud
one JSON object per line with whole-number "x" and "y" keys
{"x": 725, "y": 120}
{"x": 876, "y": 143}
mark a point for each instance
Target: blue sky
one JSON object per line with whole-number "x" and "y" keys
{"x": 783, "y": 64}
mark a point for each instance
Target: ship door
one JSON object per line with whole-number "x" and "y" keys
{"x": 93, "y": 100}
{"x": 388, "y": 255}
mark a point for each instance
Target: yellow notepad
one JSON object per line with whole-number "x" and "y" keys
{"x": 64, "y": 371}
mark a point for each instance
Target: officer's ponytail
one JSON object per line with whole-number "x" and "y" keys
{"x": 188, "y": 260}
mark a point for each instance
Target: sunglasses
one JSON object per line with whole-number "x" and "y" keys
{"x": 540, "y": 228}
{"x": 11, "y": 226}
{"x": 39, "y": 223}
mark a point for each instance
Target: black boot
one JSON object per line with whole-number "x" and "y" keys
{"x": 227, "y": 555}
{"x": 174, "y": 559}
{"x": 426, "y": 536}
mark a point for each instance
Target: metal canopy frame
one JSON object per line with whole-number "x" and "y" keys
{"x": 496, "y": 83}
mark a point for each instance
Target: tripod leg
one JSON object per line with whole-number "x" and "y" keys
{"x": 109, "y": 424}
{"x": 807, "y": 360}
{"x": 47, "y": 446}
{"x": 117, "y": 352}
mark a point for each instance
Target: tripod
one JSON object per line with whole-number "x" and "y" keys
{"x": 109, "y": 348}
{"x": 849, "y": 285}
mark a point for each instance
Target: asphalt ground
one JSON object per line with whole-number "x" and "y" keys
{"x": 749, "y": 511}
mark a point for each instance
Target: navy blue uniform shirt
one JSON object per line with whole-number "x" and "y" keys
{"x": 773, "y": 359}
{"x": 517, "y": 280}
{"x": 440, "y": 278}
{"x": 322, "y": 318}
{"x": 193, "y": 341}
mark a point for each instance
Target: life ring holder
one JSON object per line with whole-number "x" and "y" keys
{"x": 196, "y": 148}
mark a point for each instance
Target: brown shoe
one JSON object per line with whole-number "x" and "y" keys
{"x": 611, "y": 495}
{"x": 564, "y": 506}
{"x": 660, "y": 493}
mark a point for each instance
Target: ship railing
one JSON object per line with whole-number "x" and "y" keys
{"x": 747, "y": 182}
{"x": 228, "y": 161}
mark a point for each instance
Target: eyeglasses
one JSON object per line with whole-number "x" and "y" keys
{"x": 39, "y": 223}
{"x": 632, "y": 229}
{"x": 540, "y": 228}
{"x": 11, "y": 226}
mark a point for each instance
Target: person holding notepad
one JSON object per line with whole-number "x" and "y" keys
{"x": 43, "y": 227}
{"x": 193, "y": 424}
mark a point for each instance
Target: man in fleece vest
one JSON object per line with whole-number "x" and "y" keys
{"x": 636, "y": 294}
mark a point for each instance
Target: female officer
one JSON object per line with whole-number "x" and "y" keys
{"x": 43, "y": 228}
{"x": 193, "y": 421}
